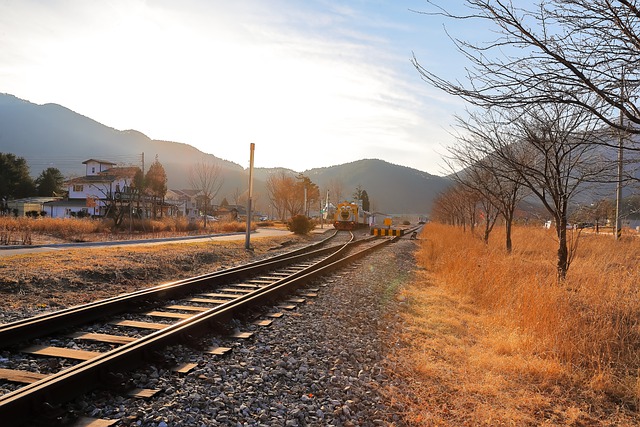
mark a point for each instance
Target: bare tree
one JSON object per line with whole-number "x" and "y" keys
{"x": 276, "y": 193}
{"x": 336, "y": 190}
{"x": 206, "y": 177}
{"x": 286, "y": 194}
{"x": 480, "y": 181}
{"x": 456, "y": 206}
{"x": 443, "y": 209}
{"x": 594, "y": 214}
{"x": 499, "y": 188}
{"x": 550, "y": 151}
{"x": 583, "y": 53}
{"x": 559, "y": 64}
{"x": 488, "y": 215}
{"x": 310, "y": 192}
{"x": 236, "y": 196}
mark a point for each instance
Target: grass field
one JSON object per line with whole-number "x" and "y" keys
{"x": 27, "y": 231}
{"x": 493, "y": 339}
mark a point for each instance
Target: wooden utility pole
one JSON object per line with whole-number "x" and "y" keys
{"x": 247, "y": 242}
{"x": 618, "y": 228}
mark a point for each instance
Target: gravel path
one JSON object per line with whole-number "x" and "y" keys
{"x": 321, "y": 364}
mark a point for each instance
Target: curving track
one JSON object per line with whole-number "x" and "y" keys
{"x": 205, "y": 304}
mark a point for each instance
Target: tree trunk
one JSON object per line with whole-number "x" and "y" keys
{"x": 508, "y": 243}
{"x": 563, "y": 252}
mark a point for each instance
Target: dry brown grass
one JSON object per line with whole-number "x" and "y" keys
{"x": 492, "y": 339}
{"x": 26, "y": 231}
{"x": 57, "y": 279}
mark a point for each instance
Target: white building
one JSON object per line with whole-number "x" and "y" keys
{"x": 21, "y": 207}
{"x": 90, "y": 195}
{"x": 185, "y": 202}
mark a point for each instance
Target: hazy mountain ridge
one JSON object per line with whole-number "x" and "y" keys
{"x": 51, "y": 135}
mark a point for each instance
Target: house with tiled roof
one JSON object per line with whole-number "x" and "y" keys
{"x": 95, "y": 166}
{"x": 91, "y": 194}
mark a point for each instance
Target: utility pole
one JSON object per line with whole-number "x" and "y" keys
{"x": 306, "y": 208}
{"x": 618, "y": 228}
{"x": 618, "y": 231}
{"x": 247, "y": 242}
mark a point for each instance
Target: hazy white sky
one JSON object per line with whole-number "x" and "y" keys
{"x": 312, "y": 83}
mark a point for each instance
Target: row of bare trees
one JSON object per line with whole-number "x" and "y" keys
{"x": 291, "y": 195}
{"x": 550, "y": 95}
{"x": 288, "y": 194}
{"x": 207, "y": 178}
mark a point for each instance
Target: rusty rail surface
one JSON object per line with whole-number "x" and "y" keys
{"x": 37, "y": 326}
{"x": 17, "y": 407}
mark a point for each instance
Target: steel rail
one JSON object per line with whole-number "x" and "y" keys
{"x": 21, "y": 330}
{"x": 17, "y": 407}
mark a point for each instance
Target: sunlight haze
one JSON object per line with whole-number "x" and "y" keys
{"x": 312, "y": 84}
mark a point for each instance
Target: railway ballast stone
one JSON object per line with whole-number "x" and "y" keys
{"x": 321, "y": 365}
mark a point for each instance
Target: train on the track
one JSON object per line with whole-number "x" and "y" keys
{"x": 350, "y": 216}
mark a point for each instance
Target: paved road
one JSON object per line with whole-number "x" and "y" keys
{"x": 261, "y": 232}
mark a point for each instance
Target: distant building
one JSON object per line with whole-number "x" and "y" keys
{"x": 230, "y": 212}
{"x": 91, "y": 194}
{"x": 185, "y": 202}
{"x": 30, "y": 204}
{"x": 94, "y": 166}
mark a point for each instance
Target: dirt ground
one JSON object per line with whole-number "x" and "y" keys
{"x": 53, "y": 280}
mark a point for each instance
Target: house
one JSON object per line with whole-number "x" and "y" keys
{"x": 91, "y": 195}
{"x": 95, "y": 166}
{"x": 30, "y": 204}
{"x": 230, "y": 212}
{"x": 184, "y": 201}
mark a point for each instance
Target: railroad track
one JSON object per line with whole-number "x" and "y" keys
{"x": 199, "y": 305}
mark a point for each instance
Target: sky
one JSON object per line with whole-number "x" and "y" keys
{"x": 311, "y": 83}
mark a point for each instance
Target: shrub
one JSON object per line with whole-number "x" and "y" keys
{"x": 300, "y": 224}
{"x": 163, "y": 225}
{"x": 227, "y": 227}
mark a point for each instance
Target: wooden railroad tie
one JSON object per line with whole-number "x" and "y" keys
{"x": 93, "y": 422}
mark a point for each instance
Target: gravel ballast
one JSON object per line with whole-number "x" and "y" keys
{"x": 321, "y": 364}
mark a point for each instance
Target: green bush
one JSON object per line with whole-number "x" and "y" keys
{"x": 300, "y": 224}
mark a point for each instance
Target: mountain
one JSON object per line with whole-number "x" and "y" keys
{"x": 51, "y": 135}
{"x": 391, "y": 188}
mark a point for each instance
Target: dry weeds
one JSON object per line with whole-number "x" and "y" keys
{"x": 30, "y": 231}
{"x": 492, "y": 339}
{"x": 53, "y": 280}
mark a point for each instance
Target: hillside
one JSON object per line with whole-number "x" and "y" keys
{"x": 51, "y": 135}
{"x": 391, "y": 188}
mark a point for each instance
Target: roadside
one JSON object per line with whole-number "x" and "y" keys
{"x": 46, "y": 279}
{"x": 259, "y": 233}
{"x": 462, "y": 358}
{"x": 10, "y": 250}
